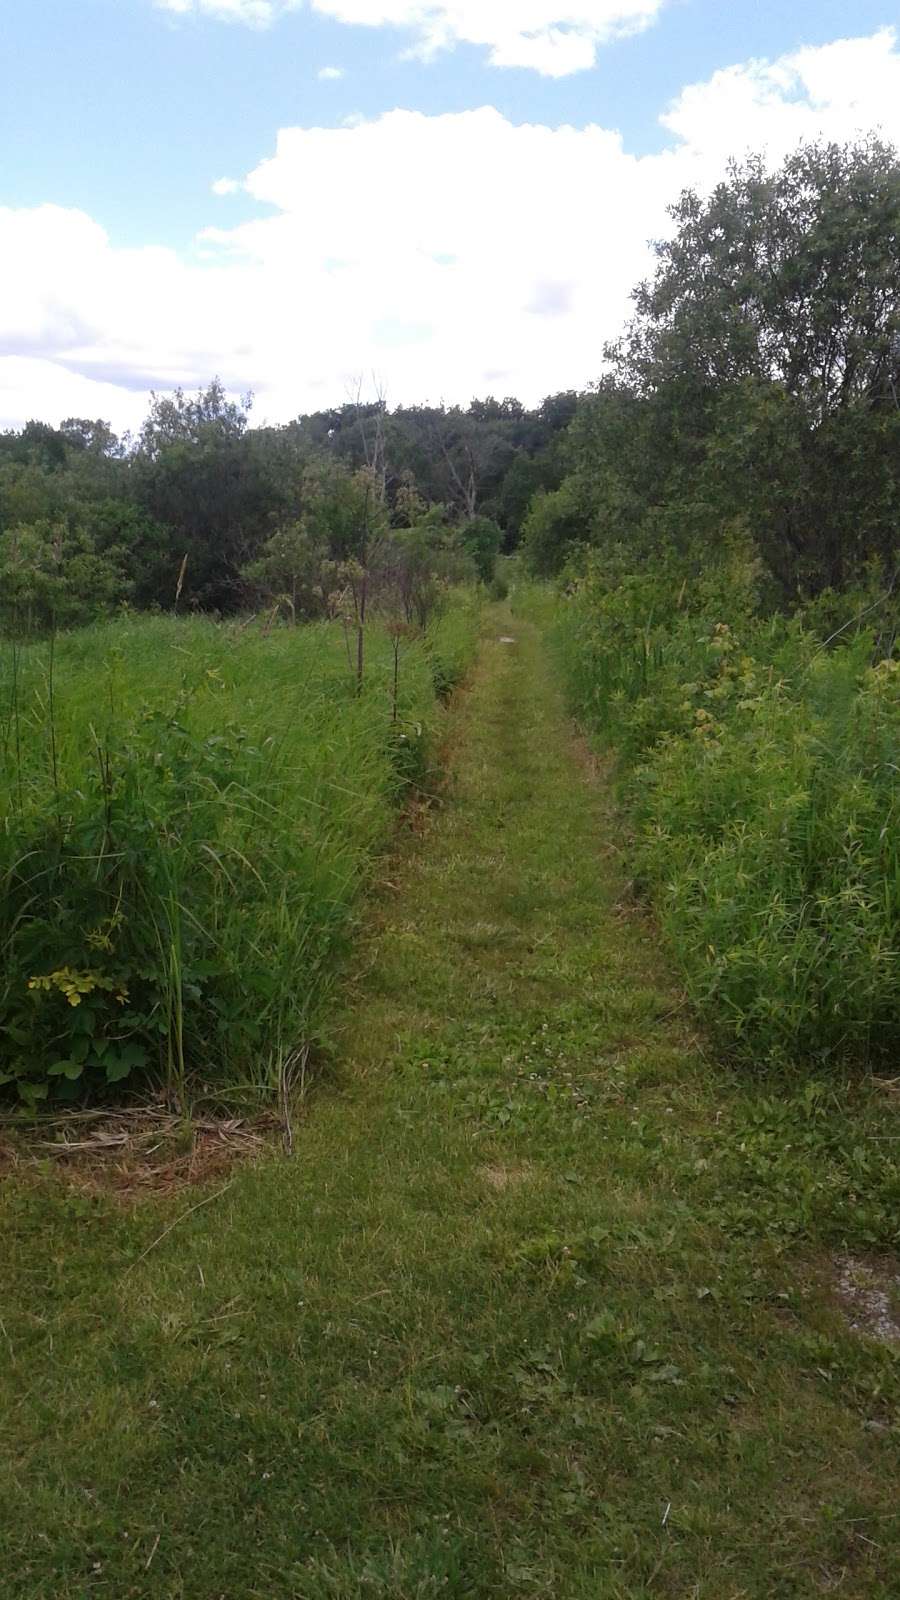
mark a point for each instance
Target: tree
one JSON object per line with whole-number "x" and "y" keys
{"x": 94, "y": 437}
{"x": 481, "y": 538}
{"x": 788, "y": 278}
{"x": 759, "y": 381}
{"x": 52, "y": 578}
{"x": 291, "y": 569}
{"x": 555, "y": 524}
{"x": 219, "y": 489}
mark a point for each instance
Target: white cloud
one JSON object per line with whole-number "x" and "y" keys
{"x": 43, "y": 389}
{"x": 329, "y": 74}
{"x": 553, "y": 37}
{"x": 225, "y": 186}
{"x": 842, "y": 89}
{"x": 254, "y": 13}
{"x": 452, "y": 254}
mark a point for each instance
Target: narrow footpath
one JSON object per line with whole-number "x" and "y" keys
{"x": 517, "y": 1319}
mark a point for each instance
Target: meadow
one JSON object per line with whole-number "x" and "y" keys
{"x": 758, "y": 760}
{"x": 550, "y": 1301}
{"x": 190, "y": 810}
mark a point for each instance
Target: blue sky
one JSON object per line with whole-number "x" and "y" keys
{"x": 119, "y": 115}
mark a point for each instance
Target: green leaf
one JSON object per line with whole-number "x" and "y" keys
{"x": 116, "y": 1068}
{"x": 135, "y": 1054}
{"x": 17, "y": 1034}
{"x": 30, "y": 1092}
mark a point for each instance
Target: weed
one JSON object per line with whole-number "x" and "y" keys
{"x": 190, "y": 813}
{"x": 760, "y": 771}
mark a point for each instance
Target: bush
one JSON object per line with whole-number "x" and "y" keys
{"x": 556, "y": 523}
{"x": 760, "y": 770}
{"x": 190, "y": 812}
{"x": 481, "y": 539}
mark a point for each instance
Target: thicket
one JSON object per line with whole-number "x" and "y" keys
{"x": 189, "y": 811}
{"x": 761, "y": 771}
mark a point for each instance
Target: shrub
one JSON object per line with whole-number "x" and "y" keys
{"x": 555, "y": 524}
{"x": 481, "y": 539}
{"x": 760, "y": 769}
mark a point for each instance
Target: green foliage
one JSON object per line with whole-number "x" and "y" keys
{"x": 758, "y": 382}
{"x": 527, "y": 475}
{"x": 554, "y": 526}
{"x": 592, "y": 1348}
{"x": 53, "y": 577}
{"x": 481, "y": 538}
{"x": 760, "y": 771}
{"x": 189, "y": 812}
{"x": 291, "y": 571}
{"x": 225, "y": 516}
{"x": 783, "y": 277}
{"x": 214, "y": 486}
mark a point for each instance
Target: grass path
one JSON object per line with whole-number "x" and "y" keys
{"x": 541, "y": 1306}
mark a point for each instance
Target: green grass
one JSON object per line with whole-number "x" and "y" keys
{"x": 543, "y": 1305}
{"x": 190, "y": 811}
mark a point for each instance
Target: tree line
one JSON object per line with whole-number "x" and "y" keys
{"x": 203, "y": 511}
{"x": 754, "y": 399}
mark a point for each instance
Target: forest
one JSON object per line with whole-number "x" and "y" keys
{"x": 232, "y": 518}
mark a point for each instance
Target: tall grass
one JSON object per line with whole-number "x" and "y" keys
{"x": 762, "y": 772}
{"x": 189, "y": 812}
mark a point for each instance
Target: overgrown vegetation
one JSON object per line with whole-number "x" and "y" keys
{"x": 189, "y": 811}
{"x": 553, "y": 1293}
{"x": 724, "y": 508}
{"x": 760, "y": 770}
{"x": 757, "y": 390}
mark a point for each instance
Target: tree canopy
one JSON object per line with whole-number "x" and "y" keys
{"x": 757, "y": 388}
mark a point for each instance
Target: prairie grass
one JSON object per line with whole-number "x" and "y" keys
{"x": 762, "y": 773}
{"x": 189, "y": 812}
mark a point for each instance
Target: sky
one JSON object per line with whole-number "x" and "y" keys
{"x": 424, "y": 199}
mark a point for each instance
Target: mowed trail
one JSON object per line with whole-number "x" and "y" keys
{"x": 501, "y": 1327}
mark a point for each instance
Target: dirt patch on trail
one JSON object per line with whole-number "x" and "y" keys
{"x": 869, "y": 1294}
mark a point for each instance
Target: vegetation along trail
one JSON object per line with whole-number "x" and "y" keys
{"x": 546, "y": 1303}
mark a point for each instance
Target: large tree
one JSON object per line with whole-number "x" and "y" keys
{"x": 759, "y": 382}
{"x": 790, "y": 277}
{"x": 219, "y": 488}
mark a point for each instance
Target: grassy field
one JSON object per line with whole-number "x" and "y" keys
{"x": 759, "y": 771}
{"x": 547, "y": 1303}
{"x": 190, "y": 811}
